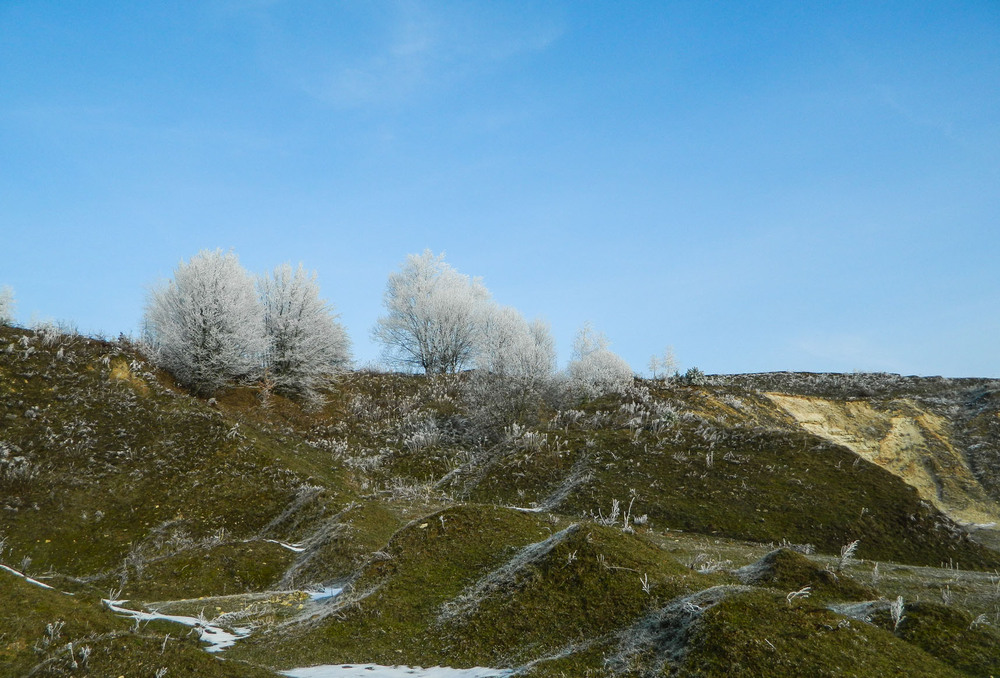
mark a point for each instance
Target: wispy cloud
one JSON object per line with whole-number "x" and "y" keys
{"x": 414, "y": 49}
{"x": 892, "y": 99}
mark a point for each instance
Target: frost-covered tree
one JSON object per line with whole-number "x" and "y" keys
{"x": 695, "y": 377}
{"x": 595, "y": 370}
{"x": 663, "y": 366}
{"x": 305, "y": 343}
{"x": 205, "y": 325}
{"x": 434, "y": 316}
{"x": 512, "y": 347}
{"x": 6, "y": 305}
{"x": 515, "y": 362}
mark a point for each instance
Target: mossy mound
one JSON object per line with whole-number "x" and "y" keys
{"x": 950, "y": 634}
{"x": 482, "y": 585}
{"x": 403, "y": 488}
{"x": 117, "y": 475}
{"x": 49, "y": 633}
{"x": 786, "y": 570}
{"x": 592, "y": 583}
{"x": 33, "y": 617}
{"x": 759, "y": 634}
{"x": 207, "y": 570}
{"x": 735, "y": 482}
{"x": 143, "y": 654}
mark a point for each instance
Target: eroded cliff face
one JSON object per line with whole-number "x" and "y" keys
{"x": 907, "y": 440}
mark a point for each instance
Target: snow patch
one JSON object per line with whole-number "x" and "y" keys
{"x": 324, "y": 593}
{"x": 25, "y": 577}
{"x": 297, "y": 548}
{"x": 217, "y": 638}
{"x": 376, "y": 671}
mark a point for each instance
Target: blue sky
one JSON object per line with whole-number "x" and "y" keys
{"x": 762, "y": 186}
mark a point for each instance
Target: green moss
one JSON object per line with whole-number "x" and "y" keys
{"x": 344, "y": 542}
{"x": 758, "y": 634}
{"x": 131, "y": 478}
{"x": 143, "y": 654}
{"x": 738, "y": 482}
{"x": 592, "y": 584}
{"x": 26, "y": 610}
{"x": 209, "y": 571}
{"x": 119, "y": 469}
{"x": 786, "y": 570}
{"x": 36, "y": 624}
{"x": 458, "y": 587}
{"x": 399, "y": 593}
{"x": 950, "y": 635}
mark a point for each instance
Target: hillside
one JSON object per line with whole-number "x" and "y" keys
{"x": 669, "y": 530}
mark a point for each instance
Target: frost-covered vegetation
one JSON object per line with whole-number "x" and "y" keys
{"x": 434, "y": 315}
{"x": 595, "y": 370}
{"x": 440, "y": 321}
{"x": 661, "y": 527}
{"x": 305, "y": 344}
{"x": 205, "y": 325}
{"x": 476, "y": 509}
{"x": 6, "y": 305}
{"x": 214, "y": 325}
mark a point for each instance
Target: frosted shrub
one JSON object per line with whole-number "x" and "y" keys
{"x": 663, "y": 366}
{"x": 205, "y": 326}
{"x": 704, "y": 563}
{"x": 511, "y": 347}
{"x": 595, "y": 370}
{"x": 664, "y": 421}
{"x": 368, "y": 462}
{"x": 426, "y": 434}
{"x": 847, "y": 554}
{"x": 16, "y": 471}
{"x": 515, "y": 363}
{"x": 732, "y": 401}
{"x": 305, "y": 343}
{"x": 51, "y": 333}
{"x": 981, "y": 620}
{"x": 896, "y": 608}
{"x": 567, "y": 418}
{"x": 804, "y": 592}
{"x": 6, "y": 305}
{"x": 494, "y": 402}
{"x": 695, "y": 377}
{"x": 488, "y": 402}
{"x": 336, "y": 447}
{"x": 525, "y": 439}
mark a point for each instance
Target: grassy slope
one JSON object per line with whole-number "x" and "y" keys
{"x": 731, "y": 640}
{"x": 132, "y": 483}
{"x": 588, "y": 584}
{"x": 733, "y": 473}
{"x": 131, "y": 479}
{"x": 37, "y": 625}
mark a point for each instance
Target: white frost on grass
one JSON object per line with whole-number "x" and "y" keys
{"x": 297, "y": 548}
{"x": 25, "y": 577}
{"x": 217, "y": 638}
{"x": 537, "y": 509}
{"x": 504, "y": 577}
{"x": 376, "y": 671}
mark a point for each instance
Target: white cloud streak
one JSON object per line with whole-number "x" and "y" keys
{"x": 416, "y": 49}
